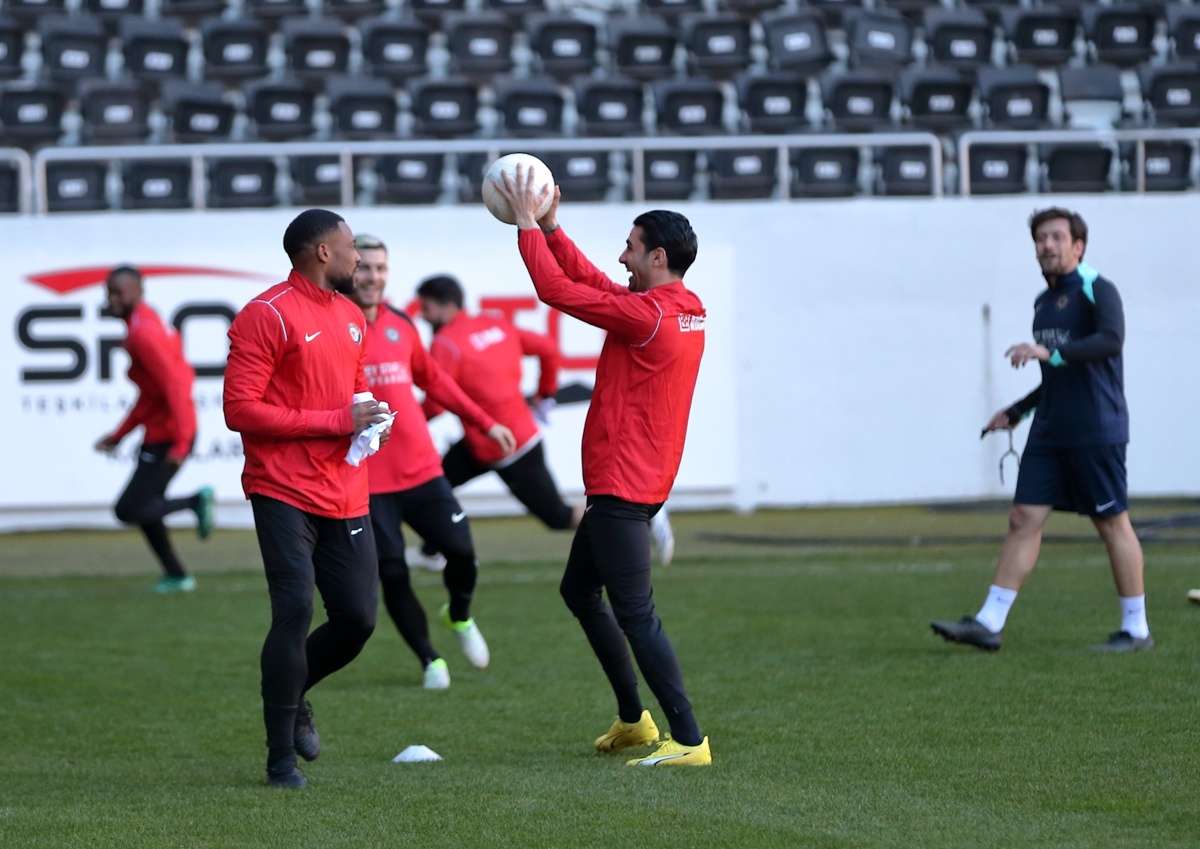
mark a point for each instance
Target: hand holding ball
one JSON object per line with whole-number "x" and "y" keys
{"x": 496, "y": 203}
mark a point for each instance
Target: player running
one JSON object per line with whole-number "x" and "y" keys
{"x": 632, "y": 445}
{"x": 1075, "y": 456}
{"x": 406, "y": 480}
{"x": 164, "y": 407}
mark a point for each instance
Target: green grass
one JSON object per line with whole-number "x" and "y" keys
{"x": 836, "y": 718}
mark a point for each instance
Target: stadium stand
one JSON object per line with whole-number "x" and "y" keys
{"x": 894, "y": 86}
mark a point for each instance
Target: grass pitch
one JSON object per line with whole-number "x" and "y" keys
{"x": 837, "y": 719}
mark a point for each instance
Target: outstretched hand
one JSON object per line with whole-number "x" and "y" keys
{"x": 524, "y": 197}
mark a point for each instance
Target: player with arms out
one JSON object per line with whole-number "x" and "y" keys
{"x": 632, "y": 445}
{"x": 164, "y": 408}
{"x": 406, "y": 480}
{"x": 1075, "y": 455}
{"x": 295, "y": 365}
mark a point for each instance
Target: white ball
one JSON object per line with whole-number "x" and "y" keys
{"x": 508, "y": 163}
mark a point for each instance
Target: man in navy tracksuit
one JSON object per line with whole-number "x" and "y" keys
{"x": 1075, "y": 456}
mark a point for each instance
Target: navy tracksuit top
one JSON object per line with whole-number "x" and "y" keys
{"x": 1081, "y": 400}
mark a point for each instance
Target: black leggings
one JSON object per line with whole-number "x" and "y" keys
{"x": 611, "y": 552}
{"x": 144, "y": 503}
{"x": 301, "y": 550}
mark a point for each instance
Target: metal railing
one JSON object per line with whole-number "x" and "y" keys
{"x": 1138, "y": 137}
{"x": 24, "y": 164}
{"x": 199, "y": 154}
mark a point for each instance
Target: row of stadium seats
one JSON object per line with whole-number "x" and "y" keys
{"x": 482, "y": 44}
{"x": 601, "y": 175}
{"x": 930, "y": 98}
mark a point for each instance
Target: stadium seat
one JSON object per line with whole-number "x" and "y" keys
{"x": 155, "y": 184}
{"x": 110, "y": 13}
{"x": 1075, "y": 167}
{"x": 316, "y": 180}
{"x": 10, "y": 188}
{"x": 958, "y": 38}
{"x": 993, "y": 10}
{"x": 796, "y": 41}
{"x": 903, "y": 171}
{"x": 516, "y": 10}
{"x": 470, "y": 168}
{"x": 879, "y": 38}
{"x": 317, "y": 48}
{"x": 76, "y": 186}
{"x": 1041, "y": 35}
{"x": 191, "y": 10}
{"x": 281, "y": 109}
{"x": 1121, "y": 34}
{"x": 913, "y": 10}
{"x": 12, "y": 46}
{"x": 274, "y": 11}
{"x": 241, "y": 183}
{"x": 672, "y": 9}
{"x": 235, "y": 49}
{"x": 1013, "y": 98}
{"x": 155, "y": 49}
{"x": 1172, "y": 93}
{"x": 611, "y": 106}
{"x": 432, "y": 11}
{"x": 824, "y": 172}
{"x": 73, "y": 48}
{"x": 409, "y": 178}
{"x": 835, "y": 11}
{"x": 1167, "y": 166}
{"x": 480, "y": 43}
{"x": 583, "y": 175}
{"x": 198, "y": 112}
{"x": 529, "y": 106}
{"x": 689, "y": 106}
{"x": 998, "y": 169}
{"x": 444, "y": 107}
{"x": 27, "y": 12}
{"x": 750, "y": 8}
{"x": 31, "y": 112}
{"x": 114, "y": 111}
{"x": 773, "y": 102}
{"x": 394, "y": 49}
{"x": 362, "y": 107}
{"x": 669, "y": 174}
{"x": 857, "y": 101}
{"x": 1092, "y": 96}
{"x": 642, "y": 47}
{"x": 743, "y": 173}
{"x": 353, "y": 10}
{"x": 936, "y": 98}
{"x": 564, "y": 45}
{"x": 717, "y": 45}
{"x": 1183, "y": 30}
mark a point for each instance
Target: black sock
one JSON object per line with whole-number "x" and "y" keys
{"x": 629, "y": 704}
{"x": 160, "y": 543}
{"x": 404, "y": 608}
{"x": 459, "y": 577}
{"x": 684, "y": 729}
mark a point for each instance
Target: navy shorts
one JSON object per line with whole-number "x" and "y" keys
{"x": 1086, "y": 479}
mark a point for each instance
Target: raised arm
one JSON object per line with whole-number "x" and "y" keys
{"x": 256, "y": 344}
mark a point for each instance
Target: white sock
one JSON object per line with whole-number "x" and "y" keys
{"x": 1133, "y": 616}
{"x": 995, "y": 610}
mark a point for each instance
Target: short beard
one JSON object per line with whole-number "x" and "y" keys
{"x": 344, "y": 285}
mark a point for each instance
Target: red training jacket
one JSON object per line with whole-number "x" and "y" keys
{"x": 164, "y": 380}
{"x": 396, "y": 360}
{"x": 636, "y": 425}
{"x": 482, "y": 353}
{"x": 295, "y": 363}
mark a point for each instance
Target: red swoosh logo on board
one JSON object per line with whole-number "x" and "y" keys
{"x": 71, "y": 279}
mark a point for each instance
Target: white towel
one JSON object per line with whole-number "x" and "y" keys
{"x": 367, "y": 442}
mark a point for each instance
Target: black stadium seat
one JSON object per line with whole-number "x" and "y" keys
{"x": 394, "y": 49}
{"x": 480, "y": 43}
{"x": 857, "y": 101}
{"x": 444, "y": 107}
{"x": 114, "y": 111}
{"x": 797, "y": 41}
{"x": 155, "y": 49}
{"x": 110, "y": 13}
{"x": 829, "y": 172}
{"x": 273, "y": 11}
{"x": 642, "y": 47}
{"x": 582, "y": 174}
{"x": 689, "y": 106}
{"x": 76, "y": 186}
{"x": 1167, "y": 166}
{"x": 1014, "y": 98}
{"x": 1092, "y": 95}
{"x": 1121, "y": 34}
{"x": 12, "y": 46}
{"x": 672, "y": 9}
{"x": 717, "y": 45}
{"x": 774, "y": 102}
{"x": 191, "y": 10}
{"x": 316, "y": 180}
{"x": 281, "y": 109}
{"x": 31, "y": 112}
{"x": 362, "y": 107}
{"x": 879, "y": 38}
{"x": 317, "y": 48}
{"x": 157, "y": 184}
{"x": 409, "y": 178}
{"x": 235, "y": 49}
{"x": 564, "y": 45}
{"x": 936, "y": 98}
{"x": 73, "y": 48}
{"x": 1075, "y": 167}
{"x": 609, "y": 106}
{"x": 516, "y": 10}
{"x": 1183, "y": 29}
{"x": 432, "y": 11}
{"x": 998, "y": 169}
{"x": 742, "y": 173}
{"x": 529, "y": 106}
{"x": 199, "y": 112}
{"x": 241, "y": 183}
{"x": 27, "y": 12}
{"x": 669, "y": 174}
{"x": 1042, "y": 35}
{"x": 904, "y": 171}
{"x": 1172, "y": 93}
{"x": 350, "y": 10}
{"x": 958, "y": 38}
